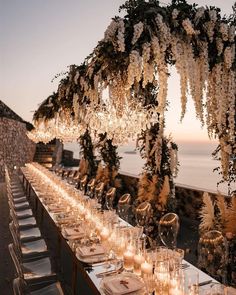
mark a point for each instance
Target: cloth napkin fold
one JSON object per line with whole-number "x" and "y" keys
{"x": 73, "y": 232}
{"x": 93, "y": 250}
{"x": 55, "y": 208}
{"x": 122, "y": 285}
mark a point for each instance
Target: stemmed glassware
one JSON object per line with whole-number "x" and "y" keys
{"x": 168, "y": 229}
{"x": 143, "y": 214}
{"x": 109, "y": 198}
{"x": 124, "y": 206}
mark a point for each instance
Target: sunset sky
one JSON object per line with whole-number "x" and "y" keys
{"x": 39, "y": 39}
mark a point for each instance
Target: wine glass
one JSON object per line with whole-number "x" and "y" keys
{"x": 83, "y": 183}
{"x": 110, "y": 196}
{"x": 123, "y": 206}
{"x": 168, "y": 229}
{"x": 143, "y": 214}
{"x": 90, "y": 187}
{"x": 99, "y": 189}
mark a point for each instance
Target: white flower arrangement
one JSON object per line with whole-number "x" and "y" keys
{"x": 138, "y": 29}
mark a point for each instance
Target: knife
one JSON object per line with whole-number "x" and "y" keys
{"x": 204, "y": 283}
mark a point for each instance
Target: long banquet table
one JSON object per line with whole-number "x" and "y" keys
{"x": 77, "y": 277}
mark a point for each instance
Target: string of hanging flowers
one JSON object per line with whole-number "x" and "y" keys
{"x": 139, "y": 48}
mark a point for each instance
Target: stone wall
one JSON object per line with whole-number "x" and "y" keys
{"x": 15, "y": 147}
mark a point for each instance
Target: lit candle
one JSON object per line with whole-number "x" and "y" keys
{"x": 138, "y": 260}
{"x": 146, "y": 268}
{"x": 104, "y": 234}
{"x": 128, "y": 259}
{"x": 120, "y": 247}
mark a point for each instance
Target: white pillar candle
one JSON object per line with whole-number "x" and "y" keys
{"x": 146, "y": 268}
{"x": 104, "y": 234}
{"x": 120, "y": 247}
{"x": 138, "y": 260}
{"x": 128, "y": 259}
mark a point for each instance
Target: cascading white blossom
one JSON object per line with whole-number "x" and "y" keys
{"x": 111, "y": 31}
{"x": 219, "y": 45}
{"x": 228, "y": 57}
{"x": 134, "y": 68}
{"x": 121, "y": 36}
{"x": 224, "y": 30}
{"x": 173, "y": 161}
{"x": 210, "y": 83}
{"x": 148, "y": 68}
{"x": 175, "y": 13}
{"x": 199, "y": 14}
{"x": 231, "y": 33}
{"x": 188, "y": 26}
{"x": 138, "y": 29}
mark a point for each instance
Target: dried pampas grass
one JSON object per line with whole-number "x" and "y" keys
{"x": 83, "y": 167}
{"x": 223, "y": 210}
{"x": 143, "y": 187}
{"x": 100, "y": 173}
{"x": 163, "y": 196}
{"x": 207, "y": 213}
{"x": 230, "y": 219}
{"x": 106, "y": 176}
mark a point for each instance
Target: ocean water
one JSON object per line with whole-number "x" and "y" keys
{"x": 195, "y": 170}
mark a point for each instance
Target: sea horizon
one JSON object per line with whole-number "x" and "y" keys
{"x": 196, "y": 164}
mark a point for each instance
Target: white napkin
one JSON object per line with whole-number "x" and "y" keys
{"x": 93, "y": 250}
{"x": 73, "y": 232}
{"x": 55, "y": 208}
{"x": 122, "y": 285}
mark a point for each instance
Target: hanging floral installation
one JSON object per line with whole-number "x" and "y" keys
{"x": 89, "y": 163}
{"x": 137, "y": 50}
{"x": 110, "y": 162}
{"x": 156, "y": 182}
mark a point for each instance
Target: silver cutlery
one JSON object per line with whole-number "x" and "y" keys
{"x": 110, "y": 272}
{"x": 205, "y": 283}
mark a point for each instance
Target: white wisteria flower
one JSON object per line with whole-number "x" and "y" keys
{"x": 228, "y": 58}
{"x": 232, "y": 33}
{"x": 199, "y": 14}
{"x": 138, "y": 29}
{"x": 121, "y": 36}
{"x": 213, "y": 15}
{"x": 224, "y": 30}
{"x": 111, "y": 31}
{"x": 187, "y": 25}
{"x": 219, "y": 45}
{"x": 175, "y": 13}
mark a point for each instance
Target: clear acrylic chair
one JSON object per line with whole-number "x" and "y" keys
{"x": 22, "y": 222}
{"x": 27, "y": 234}
{"x": 28, "y": 250}
{"x": 20, "y": 287}
{"x": 20, "y": 212}
{"x": 33, "y": 272}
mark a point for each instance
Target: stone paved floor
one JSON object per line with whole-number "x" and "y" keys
{"x": 7, "y": 271}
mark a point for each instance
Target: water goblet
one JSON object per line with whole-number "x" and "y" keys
{"x": 109, "y": 198}
{"x": 168, "y": 229}
{"x": 123, "y": 206}
{"x": 143, "y": 214}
